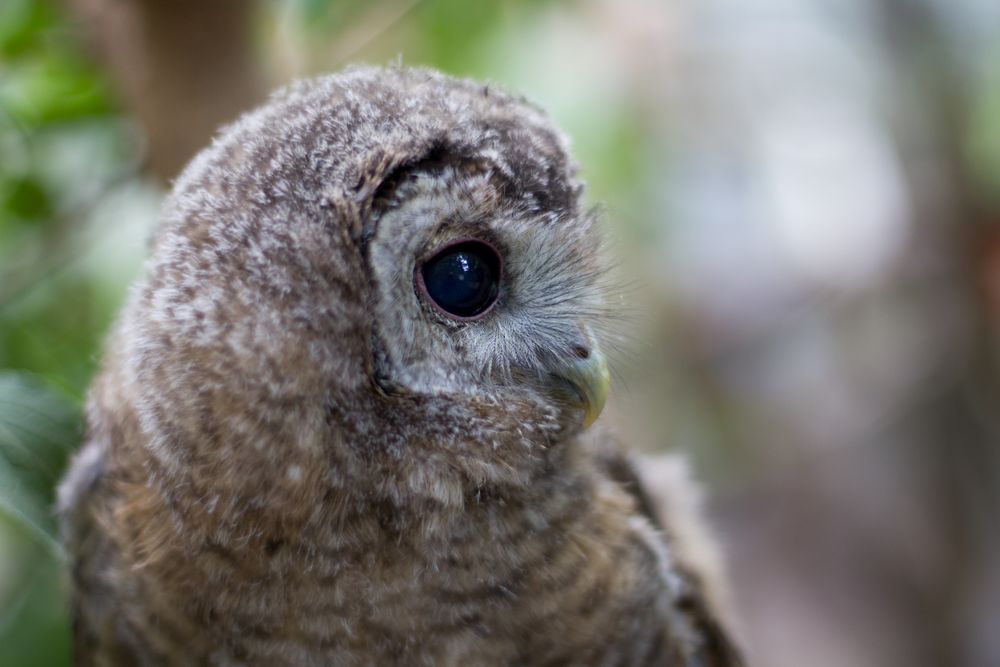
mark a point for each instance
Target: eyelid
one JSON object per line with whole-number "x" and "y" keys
{"x": 459, "y": 241}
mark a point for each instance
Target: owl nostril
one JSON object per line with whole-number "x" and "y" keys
{"x": 581, "y": 352}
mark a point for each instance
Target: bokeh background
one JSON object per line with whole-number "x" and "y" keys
{"x": 806, "y": 194}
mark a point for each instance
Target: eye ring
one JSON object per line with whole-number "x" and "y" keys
{"x": 461, "y": 279}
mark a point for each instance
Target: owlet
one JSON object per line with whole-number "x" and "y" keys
{"x": 342, "y": 420}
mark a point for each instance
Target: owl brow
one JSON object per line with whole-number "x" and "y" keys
{"x": 437, "y": 159}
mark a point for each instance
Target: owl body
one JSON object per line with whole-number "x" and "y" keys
{"x": 341, "y": 420}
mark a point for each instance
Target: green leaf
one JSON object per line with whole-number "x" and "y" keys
{"x": 34, "y": 619}
{"x": 22, "y": 25}
{"x": 38, "y": 430}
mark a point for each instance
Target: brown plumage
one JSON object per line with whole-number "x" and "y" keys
{"x": 302, "y": 452}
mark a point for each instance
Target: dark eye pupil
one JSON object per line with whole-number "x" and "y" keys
{"x": 463, "y": 279}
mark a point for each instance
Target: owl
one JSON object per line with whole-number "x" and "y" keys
{"x": 347, "y": 416}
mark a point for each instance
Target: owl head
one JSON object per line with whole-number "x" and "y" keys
{"x": 381, "y": 281}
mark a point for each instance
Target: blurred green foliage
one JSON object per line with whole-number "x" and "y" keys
{"x": 982, "y": 141}
{"x": 43, "y": 70}
{"x": 62, "y": 145}
{"x": 38, "y": 429}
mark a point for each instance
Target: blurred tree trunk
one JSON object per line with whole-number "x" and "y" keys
{"x": 182, "y": 68}
{"x": 957, "y": 221}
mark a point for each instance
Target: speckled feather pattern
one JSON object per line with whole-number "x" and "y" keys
{"x": 292, "y": 459}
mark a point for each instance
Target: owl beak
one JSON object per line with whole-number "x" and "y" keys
{"x": 589, "y": 378}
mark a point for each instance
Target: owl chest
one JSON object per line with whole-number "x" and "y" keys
{"x": 538, "y": 597}
{"x": 386, "y": 607}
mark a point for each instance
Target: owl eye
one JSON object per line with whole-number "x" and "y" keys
{"x": 463, "y": 279}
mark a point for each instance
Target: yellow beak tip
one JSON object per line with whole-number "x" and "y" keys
{"x": 594, "y": 382}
